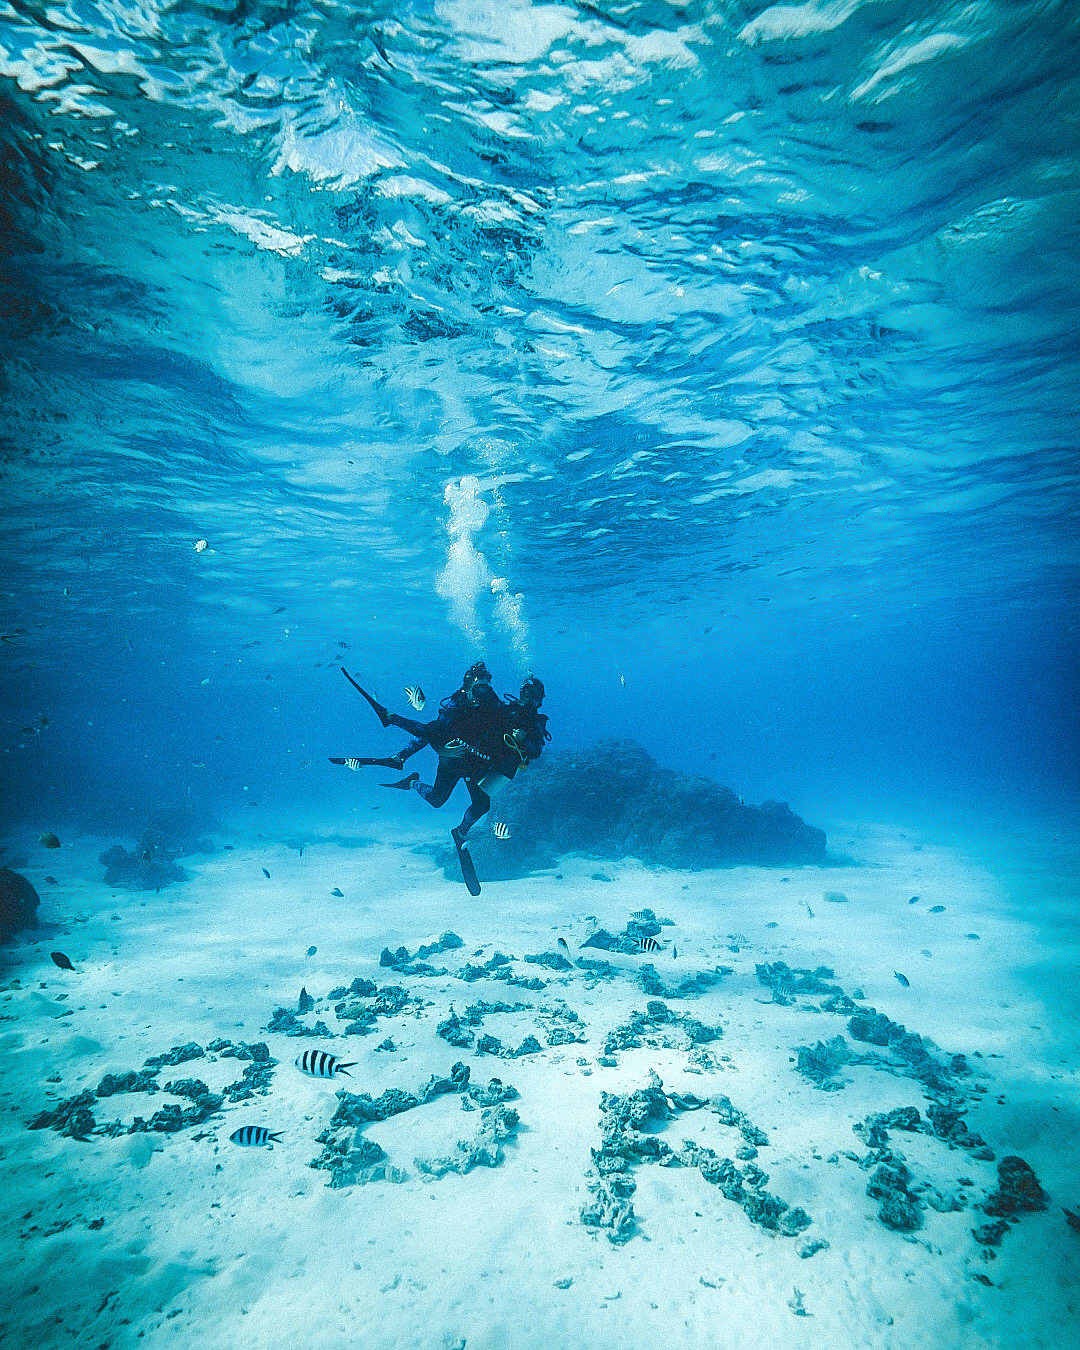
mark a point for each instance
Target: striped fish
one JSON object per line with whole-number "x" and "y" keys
{"x": 415, "y": 695}
{"x": 648, "y": 944}
{"x": 320, "y": 1064}
{"x": 500, "y": 830}
{"x": 249, "y": 1136}
{"x": 564, "y": 948}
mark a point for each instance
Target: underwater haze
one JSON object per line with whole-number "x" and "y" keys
{"x": 714, "y": 361}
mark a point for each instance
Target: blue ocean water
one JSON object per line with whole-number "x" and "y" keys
{"x": 716, "y": 361}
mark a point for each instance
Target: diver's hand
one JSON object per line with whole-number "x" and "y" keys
{"x": 459, "y": 749}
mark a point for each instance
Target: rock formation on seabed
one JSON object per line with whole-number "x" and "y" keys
{"x": 613, "y": 800}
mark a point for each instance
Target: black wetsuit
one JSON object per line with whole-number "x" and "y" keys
{"x": 504, "y": 761}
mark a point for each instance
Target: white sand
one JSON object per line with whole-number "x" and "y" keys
{"x": 207, "y": 1244}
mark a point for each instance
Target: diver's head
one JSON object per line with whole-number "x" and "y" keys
{"x": 477, "y": 685}
{"x": 477, "y": 671}
{"x": 532, "y": 691}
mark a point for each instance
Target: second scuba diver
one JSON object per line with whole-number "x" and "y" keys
{"x": 480, "y": 740}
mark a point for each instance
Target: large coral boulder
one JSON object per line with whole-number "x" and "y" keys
{"x": 18, "y": 903}
{"x": 612, "y": 800}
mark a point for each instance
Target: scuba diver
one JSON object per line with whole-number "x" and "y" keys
{"x": 521, "y": 744}
{"x": 480, "y": 740}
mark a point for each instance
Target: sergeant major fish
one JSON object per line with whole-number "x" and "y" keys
{"x": 249, "y": 1136}
{"x": 648, "y": 944}
{"x": 415, "y": 695}
{"x": 320, "y": 1064}
{"x": 500, "y": 830}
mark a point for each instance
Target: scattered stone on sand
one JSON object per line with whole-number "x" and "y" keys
{"x": 287, "y": 1021}
{"x": 497, "y": 1124}
{"x": 821, "y": 1063}
{"x": 691, "y": 986}
{"x": 179, "y": 1054}
{"x": 1018, "y": 1190}
{"x": 629, "y": 1128}
{"x": 550, "y": 960}
{"x": 402, "y": 963}
{"x": 787, "y": 983}
{"x": 455, "y": 1032}
{"x": 488, "y": 1094}
{"x": 363, "y": 1003}
{"x": 143, "y": 1081}
{"x": 658, "y": 1025}
{"x": 899, "y": 1209}
{"x": 874, "y": 1028}
{"x": 18, "y": 903}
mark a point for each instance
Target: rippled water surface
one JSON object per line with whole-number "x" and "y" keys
{"x": 754, "y": 325}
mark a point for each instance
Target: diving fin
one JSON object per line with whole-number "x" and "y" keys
{"x": 468, "y": 869}
{"x": 409, "y": 781}
{"x": 380, "y": 711}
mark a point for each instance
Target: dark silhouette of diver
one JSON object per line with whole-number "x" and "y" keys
{"x": 480, "y": 739}
{"x": 521, "y": 744}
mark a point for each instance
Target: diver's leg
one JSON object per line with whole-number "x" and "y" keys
{"x": 407, "y": 751}
{"x": 380, "y": 711}
{"x": 411, "y": 725}
{"x": 479, "y": 805}
{"x": 448, "y": 777}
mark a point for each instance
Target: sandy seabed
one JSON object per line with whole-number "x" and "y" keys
{"x": 163, "y": 1239}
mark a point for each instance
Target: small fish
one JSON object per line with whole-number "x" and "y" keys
{"x": 914, "y": 900}
{"x": 564, "y": 948}
{"x": 500, "y": 830}
{"x": 201, "y": 545}
{"x": 51, "y": 880}
{"x": 622, "y": 681}
{"x": 248, "y": 1136}
{"x": 674, "y": 952}
{"x": 340, "y": 894}
{"x": 312, "y": 950}
{"x": 936, "y": 909}
{"x": 647, "y": 944}
{"x": 198, "y": 764}
{"x": 29, "y": 731}
{"x": 266, "y": 874}
{"x": 48, "y": 840}
{"x": 415, "y": 695}
{"x": 903, "y": 979}
{"x": 808, "y": 909}
{"x": 44, "y": 721}
{"x": 280, "y": 609}
{"x": 320, "y": 1064}
{"x": 61, "y": 960}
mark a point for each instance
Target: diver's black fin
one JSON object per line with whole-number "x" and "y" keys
{"x": 380, "y": 711}
{"x": 393, "y": 762}
{"x": 410, "y": 780}
{"x": 468, "y": 870}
